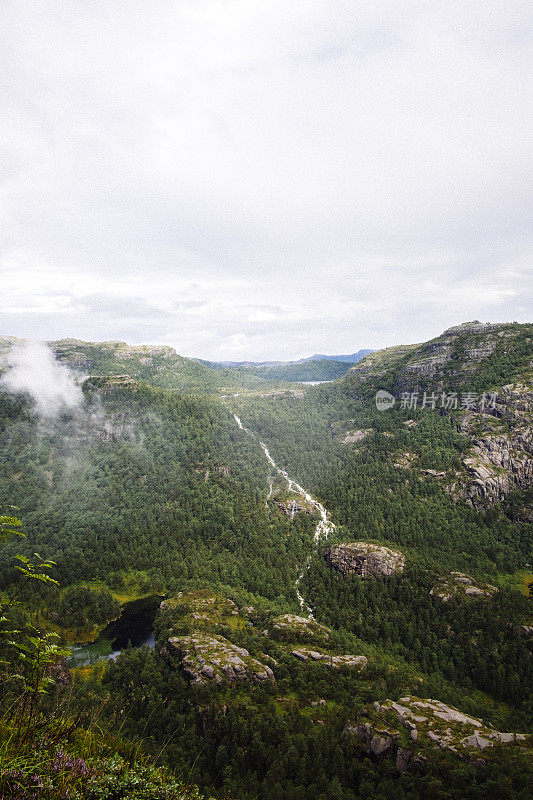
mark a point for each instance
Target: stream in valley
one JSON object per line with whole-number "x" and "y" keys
{"x": 323, "y": 528}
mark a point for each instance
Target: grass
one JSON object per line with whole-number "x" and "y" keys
{"x": 519, "y": 580}
{"x": 68, "y": 635}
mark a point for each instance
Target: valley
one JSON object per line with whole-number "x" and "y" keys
{"x": 323, "y": 599}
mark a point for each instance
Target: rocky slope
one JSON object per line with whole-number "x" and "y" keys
{"x": 451, "y": 360}
{"x": 460, "y": 586}
{"x": 500, "y": 459}
{"x": 295, "y": 628}
{"x": 346, "y": 660}
{"x": 480, "y": 374}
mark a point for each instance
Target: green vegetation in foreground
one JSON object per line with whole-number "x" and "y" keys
{"x": 287, "y": 739}
{"x": 56, "y": 741}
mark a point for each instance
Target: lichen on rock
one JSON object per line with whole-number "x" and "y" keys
{"x": 329, "y": 660}
{"x": 292, "y": 627}
{"x": 203, "y": 657}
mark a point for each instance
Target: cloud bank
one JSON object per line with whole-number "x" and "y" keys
{"x": 242, "y": 179}
{"x": 32, "y": 369}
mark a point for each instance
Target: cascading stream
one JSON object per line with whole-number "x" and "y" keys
{"x": 323, "y": 528}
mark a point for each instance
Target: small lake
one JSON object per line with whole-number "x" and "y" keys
{"x": 135, "y": 625}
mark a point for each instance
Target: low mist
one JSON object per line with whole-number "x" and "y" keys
{"x": 32, "y": 369}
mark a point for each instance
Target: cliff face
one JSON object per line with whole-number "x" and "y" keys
{"x": 500, "y": 459}
{"x": 467, "y": 343}
{"x": 364, "y": 559}
{"x": 489, "y": 369}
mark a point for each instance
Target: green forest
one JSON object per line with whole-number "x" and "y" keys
{"x": 151, "y": 488}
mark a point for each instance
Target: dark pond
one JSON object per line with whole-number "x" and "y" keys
{"x": 135, "y": 626}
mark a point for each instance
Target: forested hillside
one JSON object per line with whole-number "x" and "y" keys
{"x": 157, "y": 365}
{"x": 404, "y": 528}
{"x": 142, "y": 479}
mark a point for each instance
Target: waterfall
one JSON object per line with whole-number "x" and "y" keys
{"x": 323, "y": 528}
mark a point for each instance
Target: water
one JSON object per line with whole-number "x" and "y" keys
{"x": 323, "y": 528}
{"x": 315, "y": 383}
{"x": 135, "y": 626}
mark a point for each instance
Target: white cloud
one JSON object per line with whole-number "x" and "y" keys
{"x": 359, "y": 168}
{"x": 32, "y": 369}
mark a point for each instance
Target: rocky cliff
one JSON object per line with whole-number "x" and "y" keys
{"x": 463, "y": 353}
{"x": 486, "y": 371}
{"x": 365, "y": 559}
{"x": 500, "y": 460}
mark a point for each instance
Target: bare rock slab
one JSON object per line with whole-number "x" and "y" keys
{"x": 292, "y": 627}
{"x": 335, "y": 661}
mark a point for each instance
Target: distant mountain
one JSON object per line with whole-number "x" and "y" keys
{"x": 222, "y": 364}
{"x": 352, "y": 359}
{"x": 317, "y": 368}
{"x": 297, "y": 371}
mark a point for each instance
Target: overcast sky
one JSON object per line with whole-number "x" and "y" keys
{"x": 263, "y": 179}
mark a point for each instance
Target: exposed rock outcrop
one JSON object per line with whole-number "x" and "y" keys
{"x": 365, "y": 559}
{"x": 292, "y": 627}
{"x": 346, "y": 660}
{"x": 408, "y": 730}
{"x": 203, "y": 658}
{"x": 434, "y": 355}
{"x": 458, "y": 585}
{"x": 497, "y": 419}
{"x": 432, "y": 473}
{"x": 355, "y": 436}
{"x": 446, "y": 362}
{"x": 405, "y": 459}
{"x": 500, "y": 460}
